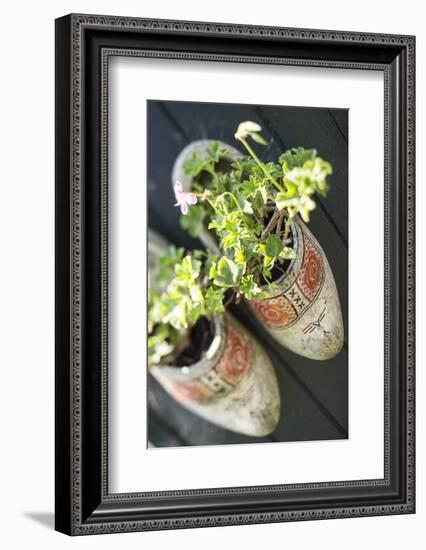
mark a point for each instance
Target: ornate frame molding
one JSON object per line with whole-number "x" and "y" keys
{"x": 86, "y": 507}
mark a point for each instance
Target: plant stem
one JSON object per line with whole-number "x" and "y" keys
{"x": 286, "y": 228}
{"x": 261, "y": 164}
{"x": 235, "y": 200}
{"x": 271, "y": 224}
{"x": 259, "y": 220}
{"x": 218, "y": 212}
{"x": 280, "y": 223}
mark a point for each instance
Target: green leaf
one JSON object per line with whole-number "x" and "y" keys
{"x": 287, "y": 253}
{"x": 196, "y": 294}
{"x": 268, "y": 262}
{"x": 176, "y": 315}
{"x": 249, "y": 188}
{"x": 266, "y": 273}
{"x": 193, "y": 165}
{"x": 193, "y": 220}
{"x": 297, "y": 157}
{"x": 194, "y": 312}
{"x": 215, "y": 152}
{"x": 246, "y": 165}
{"x": 258, "y": 139}
{"x": 304, "y": 212}
{"x": 213, "y": 271}
{"x": 228, "y": 273}
{"x": 161, "y": 343}
{"x": 291, "y": 188}
{"x": 246, "y": 207}
{"x": 249, "y": 288}
{"x": 166, "y": 263}
{"x": 218, "y": 224}
{"x": 229, "y": 240}
{"x": 210, "y": 264}
{"x": 258, "y": 202}
{"x": 282, "y": 201}
{"x": 239, "y": 256}
{"x": 261, "y": 249}
{"x": 214, "y": 299}
{"x": 306, "y": 205}
{"x": 263, "y": 191}
{"x": 273, "y": 246}
{"x": 188, "y": 270}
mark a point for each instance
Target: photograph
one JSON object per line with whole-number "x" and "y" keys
{"x": 247, "y": 244}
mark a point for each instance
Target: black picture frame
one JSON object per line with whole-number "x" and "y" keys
{"x": 83, "y": 46}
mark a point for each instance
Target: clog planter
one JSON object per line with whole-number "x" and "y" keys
{"x": 303, "y": 313}
{"x": 301, "y": 309}
{"x": 234, "y": 386}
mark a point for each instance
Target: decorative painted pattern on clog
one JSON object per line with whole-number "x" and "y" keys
{"x": 275, "y": 312}
{"x": 286, "y": 309}
{"x": 304, "y": 314}
{"x": 235, "y": 387}
{"x": 222, "y": 378}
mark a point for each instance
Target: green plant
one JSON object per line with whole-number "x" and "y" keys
{"x": 250, "y": 208}
{"x": 187, "y": 295}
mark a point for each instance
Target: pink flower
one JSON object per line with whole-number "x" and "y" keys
{"x": 183, "y": 198}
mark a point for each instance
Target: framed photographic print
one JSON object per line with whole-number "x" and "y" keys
{"x": 234, "y": 274}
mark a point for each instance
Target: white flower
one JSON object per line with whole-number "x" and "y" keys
{"x": 249, "y": 129}
{"x": 246, "y": 129}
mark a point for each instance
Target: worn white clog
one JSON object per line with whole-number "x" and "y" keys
{"x": 303, "y": 313}
{"x": 234, "y": 385}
